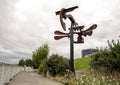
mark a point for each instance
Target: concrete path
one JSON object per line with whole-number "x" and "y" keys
{"x": 31, "y": 78}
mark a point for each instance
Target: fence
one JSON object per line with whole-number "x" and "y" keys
{"x": 7, "y": 72}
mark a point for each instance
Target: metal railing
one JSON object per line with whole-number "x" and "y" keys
{"x": 7, "y": 72}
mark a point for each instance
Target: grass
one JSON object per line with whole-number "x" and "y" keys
{"x": 91, "y": 77}
{"x": 94, "y": 78}
{"x": 88, "y": 76}
{"x": 82, "y": 63}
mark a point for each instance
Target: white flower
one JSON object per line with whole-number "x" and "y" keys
{"x": 117, "y": 83}
{"x": 110, "y": 80}
{"x": 113, "y": 78}
{"x": 83, "y": 75}
{"x": 93, "y": 79}
{"x": 103, "y": 78}
{"x": 82, "y": 82}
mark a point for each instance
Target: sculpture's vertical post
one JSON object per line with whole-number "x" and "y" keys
{"x": 71, "y": 50}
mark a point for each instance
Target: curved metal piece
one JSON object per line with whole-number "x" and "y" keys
{"x": 79, "y": 40}
{"x": 62, "y": 15}
{"x": 71, "y": 18}
{"x": 67, "y": 10}
{"x": 94, "y": 26}
{"x": 60, "y": 33}
{"x": 77, "y": 28}
{"x": 89, "y": 31}
{"x": 59, "y": 37}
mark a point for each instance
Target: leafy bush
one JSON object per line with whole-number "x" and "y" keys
{"x": 56, "y": 65}
{"x": 43, "y": 67}
{"x": 115, "y": 47}
{"x": 40, "y": 54}
{"x": 108, "y": 59}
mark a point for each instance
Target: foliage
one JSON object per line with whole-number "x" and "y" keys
{"x": 21, "y": 62}
{"x": 57, "y": 65}
{"x": 82, "y": 63}
{"x": 114, "y": 47}
{"x": 43, "y": 67}
{"x": 40, "y": 54}
{"x": 107, "y": 59}
{"x": 94, "y": 78}
{"x": 29, "y": 62}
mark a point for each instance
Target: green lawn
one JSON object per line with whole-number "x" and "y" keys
{"x": 82, "y": 63}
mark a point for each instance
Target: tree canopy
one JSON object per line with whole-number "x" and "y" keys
{"x": 40, "y": 54}
{"x": 21, "y": 62}
{"x": 29, "y": 62}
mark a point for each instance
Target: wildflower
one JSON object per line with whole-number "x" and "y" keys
{"x": 93, "y": 79}
{"x": 113, "y": 78}
{"x": 103, "y": 78}
{"x": 117, "y": 83}
{"x": 82, "y": 82}
{"x": 83, "y": 75}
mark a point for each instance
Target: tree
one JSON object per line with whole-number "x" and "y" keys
{"x": 40, "y": 54}
{"x": 29, "y": 62}
{"x": 21, "y": 62}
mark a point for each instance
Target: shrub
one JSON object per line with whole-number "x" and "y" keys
{"x": 108, "y": 59}
{"x": 43, "y": 67}
{"x": 57, "y": 65}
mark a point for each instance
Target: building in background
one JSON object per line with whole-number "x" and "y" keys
{"x": 86, "y": 52}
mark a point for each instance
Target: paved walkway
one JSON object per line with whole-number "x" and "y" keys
{"x": 31, "y": 78}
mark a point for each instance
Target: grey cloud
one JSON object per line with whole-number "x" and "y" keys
{"x": 24, "y": 30}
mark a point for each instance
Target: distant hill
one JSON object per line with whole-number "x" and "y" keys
{"x": 82, "y": 63}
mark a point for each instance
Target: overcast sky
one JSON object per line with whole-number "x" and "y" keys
{"x": 25, "y": 25}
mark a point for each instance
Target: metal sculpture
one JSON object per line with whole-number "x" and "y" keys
{"x": 74, "y": 29}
